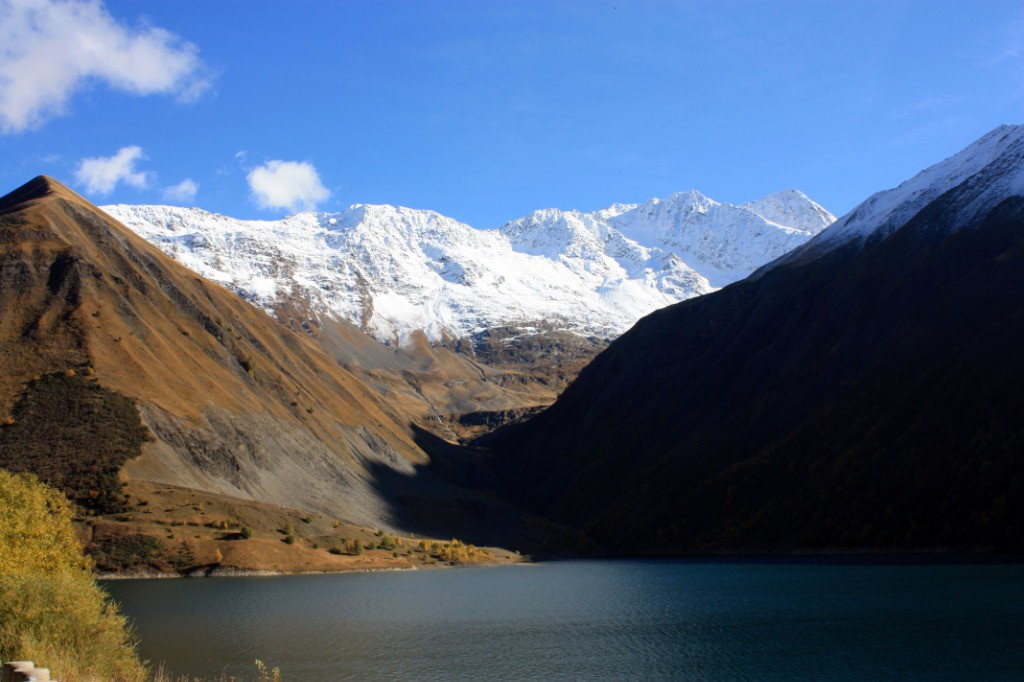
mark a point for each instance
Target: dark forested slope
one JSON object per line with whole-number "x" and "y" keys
{"x": 867, "y": 395}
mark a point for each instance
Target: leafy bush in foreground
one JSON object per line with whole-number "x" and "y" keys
{"x": 53, "y": 611}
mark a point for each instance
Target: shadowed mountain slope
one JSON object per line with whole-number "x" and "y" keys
{"x": 861, "y": 396}
{"x": 236, "y": 403}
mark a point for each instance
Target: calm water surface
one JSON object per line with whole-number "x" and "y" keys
{"x": 594, "y": 620}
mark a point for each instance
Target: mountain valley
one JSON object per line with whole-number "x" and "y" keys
{"x": 485, "y": 325}
{"x": 856, "y": 393}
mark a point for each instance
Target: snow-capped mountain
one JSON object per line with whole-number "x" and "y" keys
{"x": 994, "y": 164}
{"x": 394, "y": 270}
{"x": 790, "y": 207}
{"x": 724, "y": 242}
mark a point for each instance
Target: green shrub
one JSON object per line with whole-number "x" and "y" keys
{"x": 116, "y": 552}
{"x": 246, "y": 533}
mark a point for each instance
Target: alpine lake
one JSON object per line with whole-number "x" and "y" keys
{"x": 588, "y": 620}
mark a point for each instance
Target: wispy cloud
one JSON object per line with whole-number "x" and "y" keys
{"x": 184, "y": 192}
{"x": 49, "y": 49}
{"x": 101, "y": 174}
{"x": 292, "y": 185}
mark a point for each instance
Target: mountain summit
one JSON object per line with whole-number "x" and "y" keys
{"x": 979, "y": 177}
{"x": 503, "y": 319}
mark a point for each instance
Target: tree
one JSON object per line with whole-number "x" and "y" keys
{"x": 53, "y": 610}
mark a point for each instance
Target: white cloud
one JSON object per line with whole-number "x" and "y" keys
{"x": 293, "y": 185}
{"x": 184, "y": 192}
{"x": 101, "y": 174}
{"x": 51, "y": 48}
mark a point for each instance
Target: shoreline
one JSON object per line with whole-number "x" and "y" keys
{"x": 866, "y": 558}
{"x": 265, "y": 573}
{"x": 822, "y": 559}
{"x": 807, "y": 558}
{"x": 238, "y": 573}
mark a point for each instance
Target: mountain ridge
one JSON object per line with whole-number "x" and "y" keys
{"x": 993, "y": 161}
{"x": 566, "y": 269}
{"x": 504, "y": 318}
{"x": 858, "y": 398}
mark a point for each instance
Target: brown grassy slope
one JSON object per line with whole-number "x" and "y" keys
{"x": 239, "y": 405}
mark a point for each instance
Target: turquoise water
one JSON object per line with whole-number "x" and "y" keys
{"x": 588, "y": 620}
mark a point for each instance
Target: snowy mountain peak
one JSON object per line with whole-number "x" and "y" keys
{"x": 984, "y": 173}
{"x": 394, "y": 270}
{"x": 691, "y": 201}
{"x": 614, "y": 210}
{"x": 791, "y": 207}
{"x": 396, "y": 219}
{"x": 721, "y": 239}
{"x": 551, "y": 232}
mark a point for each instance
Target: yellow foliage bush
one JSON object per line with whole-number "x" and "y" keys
{"x": 35, "y": 528}
{"x": 51, "y": 609}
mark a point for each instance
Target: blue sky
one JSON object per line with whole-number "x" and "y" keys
{"x": 485, "y": 111}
